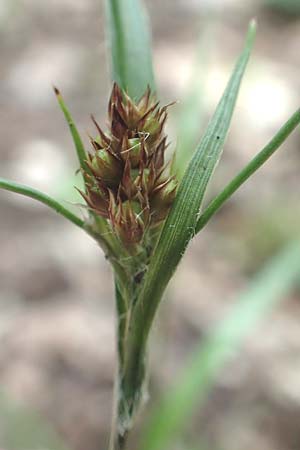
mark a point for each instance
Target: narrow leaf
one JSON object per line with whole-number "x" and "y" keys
{"x": 181, "y": 222}
{"x": 130, "y": 47}
{"x": 249, "y": 169}
{"x": 81, "y": 155}
{"x": 41, "y": 197}
{"x": 263, "y": 294}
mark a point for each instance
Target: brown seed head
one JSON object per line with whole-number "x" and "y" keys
{"x": 129, "y": 184}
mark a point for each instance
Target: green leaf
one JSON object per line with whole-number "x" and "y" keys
{"x": 43, "y": 198}
{"x": 263, "y": 294}
{"x": 181, "y": 222}
{"x": 249, "y": 169}
{"x": 130, "y": 47}
{"x": 81, "y": 155}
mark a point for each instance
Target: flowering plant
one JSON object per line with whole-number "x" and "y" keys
{"x": 141, "y": 210}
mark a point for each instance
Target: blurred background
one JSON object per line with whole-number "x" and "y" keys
{"x": 56, "y": 297}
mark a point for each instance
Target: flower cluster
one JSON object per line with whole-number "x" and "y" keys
{"x": 128, "y": 181}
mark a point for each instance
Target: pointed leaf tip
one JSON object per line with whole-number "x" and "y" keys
{"x": 80, "y": 150}
{"x": 252, "y": 27}
{"x": 56, "y": 91}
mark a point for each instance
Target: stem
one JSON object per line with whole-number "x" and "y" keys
{"x": 113, "y": 439}
{"x": 129, "y": 398}
{"x": 128, "y": 391}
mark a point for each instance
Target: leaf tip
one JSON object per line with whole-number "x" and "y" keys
{"x": 56, "y": 91}
{"x": 252, "y": 29}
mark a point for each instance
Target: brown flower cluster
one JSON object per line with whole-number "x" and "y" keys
{"x": 128, "y": 181}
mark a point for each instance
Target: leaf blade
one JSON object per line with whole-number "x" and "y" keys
{"x": 42, "y": 198}
{"x": 130, "y": 47}
{"x": 181, "y": 222}
{"x": 80, "y": 151}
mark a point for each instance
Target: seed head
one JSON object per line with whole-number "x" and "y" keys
{"x": 128, "y": 181}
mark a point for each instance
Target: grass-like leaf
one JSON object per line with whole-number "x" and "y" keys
{"x": 81, "y": 155}
{"x": 181, "y": 222}
{"x": 249, "y": 169}
{"x": 265, "y": 291}
{"x": 130, "y": 47}
{"x": 41, "y": 197}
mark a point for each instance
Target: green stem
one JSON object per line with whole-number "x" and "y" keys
{"x": 118, "y": 432}
{"x": 249, "y": 169}
{"x": 128, "y": 392}
{"x": 130, "y": 381}
{"x": 131, "y": 393}
{"x": 43, "y": 198}
{"x": 122, "y": 317}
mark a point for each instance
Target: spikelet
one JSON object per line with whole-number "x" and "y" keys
{"x": 128, "y": 183}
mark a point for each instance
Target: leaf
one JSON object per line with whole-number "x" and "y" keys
{"x": 181, "y": 222}
{"x": 81, "y": 155}
{"x": 249, "y": 169}
{"x": 41, "y": 197}
{"x": 265, "y": 291}
{"x": 129, "y": 45}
